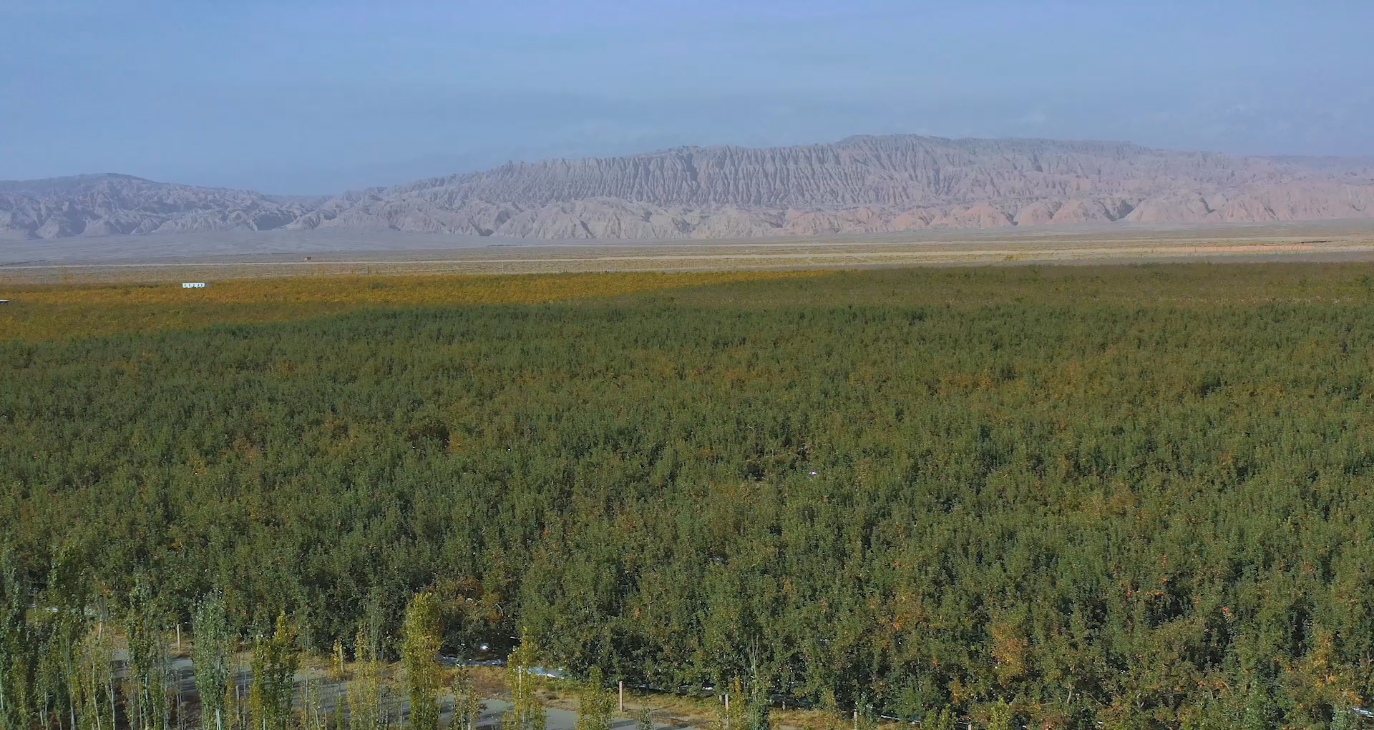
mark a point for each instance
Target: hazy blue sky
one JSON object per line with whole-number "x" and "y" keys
{"x": 311, "y": 96}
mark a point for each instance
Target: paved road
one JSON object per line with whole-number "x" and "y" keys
{"x": 555, "y": 719}
{"x": 183, "y": 678}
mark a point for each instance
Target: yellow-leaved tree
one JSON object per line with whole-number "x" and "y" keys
{"x": 526, "y": 711}
{"x": 420, "y": 636}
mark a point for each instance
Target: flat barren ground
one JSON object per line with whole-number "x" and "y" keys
{"x": 323, "y": 253}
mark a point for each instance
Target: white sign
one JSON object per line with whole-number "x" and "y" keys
{"x": 193, "y": 285}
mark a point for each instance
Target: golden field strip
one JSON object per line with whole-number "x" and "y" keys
{"x": 56, "y": 300}
{"x": 48, "y": 311}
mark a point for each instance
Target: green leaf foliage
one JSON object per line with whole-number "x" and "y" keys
{"x": 526, "y": 711}
{"x": 275, "y": 660}
{"x": 1135, "y": 496}
{"x": 595, "y": 703}
{"x": 420, "y": 635}
{"x": 212, "y": 650}
{"x": 467, "y": 703}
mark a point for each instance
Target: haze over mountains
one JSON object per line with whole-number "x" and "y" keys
{"x": 860, "y": 184}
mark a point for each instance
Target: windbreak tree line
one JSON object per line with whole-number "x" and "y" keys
{"x": 51, "y": 679}
{"x": 1047, "y": 508}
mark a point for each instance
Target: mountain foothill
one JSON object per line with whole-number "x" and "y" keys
{"x": 866, "y": 184}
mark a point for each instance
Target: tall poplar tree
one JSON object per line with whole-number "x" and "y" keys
{"x": 146, "y": 681}
{"x": 760, "y": 698}
{"x": 17, "y": 658}
{"x": 95, "y": 679}
{"x": 420, "y": 635}
{"x": 596, "y": 704}
{"x": 212, "y": 647}
{"x": 467, "y": 706}
{"x": 365, "y": 690}
{"x": 526, "y": 711}
{"x": 275, "y": 660}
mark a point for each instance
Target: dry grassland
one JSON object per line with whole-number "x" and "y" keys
{"x": 186, "y": 259}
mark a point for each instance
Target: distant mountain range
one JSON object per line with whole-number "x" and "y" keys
{"x": 858, "y": 185}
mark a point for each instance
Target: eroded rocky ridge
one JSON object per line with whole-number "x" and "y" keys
{"x": 109, "y": 205}
{"x": 858, "y": 185}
